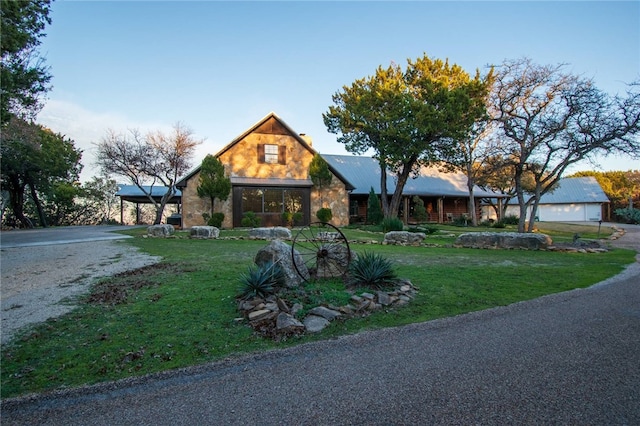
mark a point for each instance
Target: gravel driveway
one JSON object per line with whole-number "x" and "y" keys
{"x": 36, "y": 279}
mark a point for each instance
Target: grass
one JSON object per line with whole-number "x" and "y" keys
{"x": 183, "y": 311}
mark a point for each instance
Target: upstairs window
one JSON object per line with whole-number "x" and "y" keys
{"x": 272, "y": 154}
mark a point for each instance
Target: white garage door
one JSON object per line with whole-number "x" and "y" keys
{"x": 569, "y": 212}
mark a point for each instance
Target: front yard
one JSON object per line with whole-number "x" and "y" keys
{"x": 184, "y": 310}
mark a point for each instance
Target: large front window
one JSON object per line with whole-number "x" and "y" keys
{"x": 272, "y": 200}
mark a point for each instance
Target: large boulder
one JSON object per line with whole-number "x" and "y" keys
{"x": 270, "y": 233}
{"x": 504, "y": 240}
{"x": 204, "y": 232}
{"x": 160, "y": 230}
{"x": 281, "y": 253}
{"x": 404, "y": 237}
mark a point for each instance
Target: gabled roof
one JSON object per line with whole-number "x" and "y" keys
{"x": 271, "y": 117}
{"x": 134, "y": 194}
{"x": 364, "y": 173}
{"x": 576, "y": 190}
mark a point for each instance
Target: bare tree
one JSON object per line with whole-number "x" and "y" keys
{"x": 550, "y": 120}
{"x": 155, "y": 159}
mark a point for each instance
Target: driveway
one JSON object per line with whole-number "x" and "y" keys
{"x": 568, "y": 358}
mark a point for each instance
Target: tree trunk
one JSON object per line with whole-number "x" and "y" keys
{"x": 36, "y": 201}
{"x": 16, "y": 199}
{"x": 472, "y": 201}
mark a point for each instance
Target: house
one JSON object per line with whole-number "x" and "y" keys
{"x": 445, "y": 195}
{"x": 268, "y": 166}
{"x": 577, "y": 199}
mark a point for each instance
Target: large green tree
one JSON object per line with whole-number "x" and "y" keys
{"x": 214, "y": 184}
{"x": 40, "y": 163}
{"x": 408, "y": 118}
{"x": 24, "y": 78}
{"x": 549, "y": 119}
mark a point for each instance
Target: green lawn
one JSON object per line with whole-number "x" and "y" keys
{"x": 183, "y": 311}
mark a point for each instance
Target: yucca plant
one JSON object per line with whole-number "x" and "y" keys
{"x": 372, "y": 270}
{"x": 261, "y": 281}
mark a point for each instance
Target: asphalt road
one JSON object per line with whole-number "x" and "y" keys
{"x": 59, "y": 235}
{"x": 568, "y": 358}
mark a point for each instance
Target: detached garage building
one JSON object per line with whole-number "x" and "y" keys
{"x": 578, "y": 199}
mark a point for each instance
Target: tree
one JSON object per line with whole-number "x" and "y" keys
{"x": 45, "y": 163}
{"x": 374, "y": 212}
{"x": 549, "y": 119}
{"x": 147, "y": 161}
{"x": 409, "y": 118}
{"x": 23, "y": 76}
{"x": 320, "y": 174}
{"x": 620, "y": 186}
{"x": 213, "y": 182}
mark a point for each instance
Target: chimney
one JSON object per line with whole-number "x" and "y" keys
{"x": 307, "y": 138}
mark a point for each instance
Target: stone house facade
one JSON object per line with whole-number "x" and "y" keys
{"x": 268, "y": 166}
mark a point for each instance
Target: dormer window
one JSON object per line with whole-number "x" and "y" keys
{"x": 272, "y": 154}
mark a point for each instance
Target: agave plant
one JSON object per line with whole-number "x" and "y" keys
{"x": 262, "y": 280}
{"x": 372, "y": 270}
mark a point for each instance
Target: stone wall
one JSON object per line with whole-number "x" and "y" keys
{"x": 335, "y": 197}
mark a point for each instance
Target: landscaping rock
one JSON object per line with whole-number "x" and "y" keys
{"x": 287, "y": 323}
{"x": 162, "y": 230}
{"x": 509, "y": 240}
{"x": 204, "y": 232}
{"x": 326, "y": 313}
{"x": 277, "y": 232}
{"x": 404, "y": 237}
{"x": 280, "y": 252}
{"x": 315, "y": 324}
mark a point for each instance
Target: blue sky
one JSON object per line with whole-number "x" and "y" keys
{"x": 219, "y": 67}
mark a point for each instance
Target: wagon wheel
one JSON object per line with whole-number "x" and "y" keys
{"x": 320, "y": 251}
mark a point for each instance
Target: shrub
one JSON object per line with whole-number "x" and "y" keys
{"x": 510, "y": 220}
{"x": 499, "y": 224}
{"x": 290, "y": 219}
{"x": 261, "y": 281}
{"x": 419, "y": 212}
{"x": 324, "y": 214}
{"x": 250, "y": 220}
{"x": 392, "y": 224}
{"x": 216, "y": 220}
{"x": 629, "y": 215}
{"x": 374, "y": 211}
{"x": 372, "y": 270}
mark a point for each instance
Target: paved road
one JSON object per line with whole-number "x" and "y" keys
{"x": 59, "y": 235}
{"x": 569, "y": 358}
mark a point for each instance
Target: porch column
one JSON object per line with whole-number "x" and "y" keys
{"x": 406, "y": 210}
{"x": 440, "y": 210}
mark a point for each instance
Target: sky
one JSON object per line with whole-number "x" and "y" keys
{"x": 220, "y": 67}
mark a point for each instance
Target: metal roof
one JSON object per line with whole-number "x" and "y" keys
{"x": 364, "y": 173}
{"x": 576, "y": 190}
{"x": 134, "y": 194}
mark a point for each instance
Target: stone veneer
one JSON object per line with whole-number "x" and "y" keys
{"x": 241, "y": 160}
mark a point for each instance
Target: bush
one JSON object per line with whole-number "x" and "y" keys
{"x": 372, "y": 270}
{"x": 392, "y": 224}
{"x": 250, "y": 220}
{"x": 419, "y": 212}
{"x": 262, "y": 281}
{"x": 216, "y": 220}
{"x": 429, "y": 229}
{"x": 499, "y": 224}
{"x": 510, "y": 220}
{"x": 629, "y": 215}
{"x": 374, "y": 211}
{"x": 324, "y": 214}
{"x": 290, "y": 219}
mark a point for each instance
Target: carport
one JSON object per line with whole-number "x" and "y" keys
{"x": 134, "y": 194}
